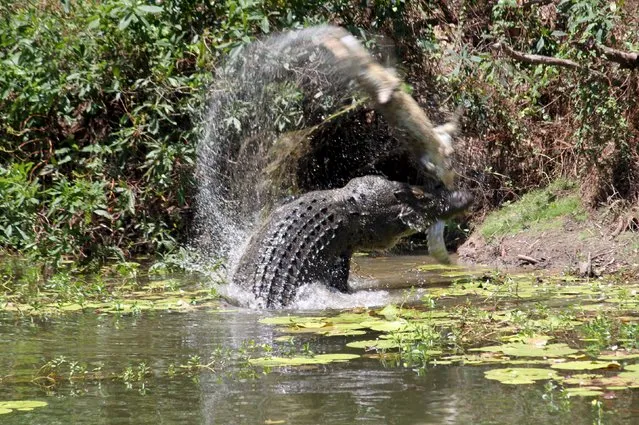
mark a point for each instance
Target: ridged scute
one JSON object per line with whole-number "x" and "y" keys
{"x": 313, "y": 237}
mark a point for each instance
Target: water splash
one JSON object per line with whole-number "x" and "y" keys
{"x": 281, "y": 85}
{"x": 377, "y": 282}
{"x": 316, "y": 296}
{"x": 267, "y": 99}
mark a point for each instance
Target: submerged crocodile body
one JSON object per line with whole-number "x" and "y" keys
{"x": 312, "y": 238}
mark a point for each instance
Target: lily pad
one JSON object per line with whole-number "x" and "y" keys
{"x": 583, "y": 392}
{"x": 632, "y": 367}
{"x": 390, "y": 312}
{"x": 384, "y": 326}
{"x": 585, "y": 365}
{"x": 311, "y": 325}
{"x": 70, "y": 307}
{"x": 377, "y": 344}
{"x": 498, "y": 358}
{"x": 536, "y": 340}
{"x": 351, "y": 318}
{"x": 298, "y": 361}
{"x": 582, "y": 379}
{"x": 530, "y": 350}
{"x": 623, "y": 380}
{"x": 20, "y": 405}
{"x": 436, "y": 362}
{"x": 455, "y": 273}
{"x": 342, "y": 332}
{"x": 520, "y": 376}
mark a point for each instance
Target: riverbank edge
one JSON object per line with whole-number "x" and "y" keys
{"x": 593, "y": 247}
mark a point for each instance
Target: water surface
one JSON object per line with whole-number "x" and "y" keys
{"x": 362, "y": 391}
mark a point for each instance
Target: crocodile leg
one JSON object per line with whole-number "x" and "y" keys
{"x": 339, "y": 273}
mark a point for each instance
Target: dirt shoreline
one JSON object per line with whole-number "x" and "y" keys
{"x": 584, "y": 248}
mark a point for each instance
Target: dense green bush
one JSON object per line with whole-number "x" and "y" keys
{"x": 545, "y": 100}
{"x": 100, "y": 103}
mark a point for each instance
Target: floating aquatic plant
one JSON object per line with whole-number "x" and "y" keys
{"x": 519, "y": 376}
{"x": 20, "y": 405}
{"x": 299, "y": 361}
{"x": 585, "y": 365}
{"x": 530, "y": 350}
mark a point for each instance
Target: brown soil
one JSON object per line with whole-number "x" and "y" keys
{"x": 585, "y": 248}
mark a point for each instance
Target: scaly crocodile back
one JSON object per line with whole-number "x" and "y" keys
{"x": 313, "y": 237}
{"x": 291, "y": 247}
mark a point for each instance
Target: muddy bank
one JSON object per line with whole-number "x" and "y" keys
{"x": 590, "y": 248}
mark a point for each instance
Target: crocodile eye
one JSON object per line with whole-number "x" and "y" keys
{"x": 419, "y": 194}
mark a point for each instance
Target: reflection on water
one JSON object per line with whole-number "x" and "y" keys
{"x": 357, "y": 392}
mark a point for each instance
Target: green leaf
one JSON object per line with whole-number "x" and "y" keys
{"x": 21, "y": 405}
{"x": 264, "y": 25}
{"x": 150, "y": 9}
{"x": 94, "y": 23}
{"x": 103, "y": 213}
{"x": 126, "y": 21}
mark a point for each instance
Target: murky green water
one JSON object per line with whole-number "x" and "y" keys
{"x": 107, "y": 351}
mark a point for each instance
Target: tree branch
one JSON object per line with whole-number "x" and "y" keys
{"x": 624, "y": 59}
{"x": 535, "y": 59}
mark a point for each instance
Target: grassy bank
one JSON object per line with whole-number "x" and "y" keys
{"x": 539, "y": 209}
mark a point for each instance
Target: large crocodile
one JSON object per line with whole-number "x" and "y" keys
{"x": 312, "y": 238}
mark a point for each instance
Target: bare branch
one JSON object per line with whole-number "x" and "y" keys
{"x": 624, "y": 59}
{"x": 535, "y": 59}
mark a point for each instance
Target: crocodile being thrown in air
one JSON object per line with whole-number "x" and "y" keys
{"x": 312, "y": 238}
